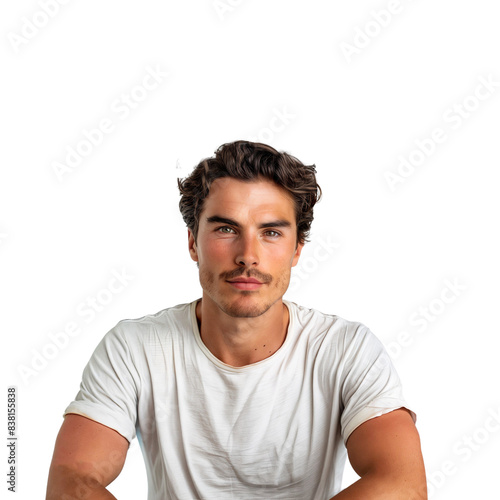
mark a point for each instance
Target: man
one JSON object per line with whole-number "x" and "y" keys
{"x": 242, "y": 395}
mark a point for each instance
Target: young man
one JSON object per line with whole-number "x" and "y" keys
{"x": 241, "y": 394}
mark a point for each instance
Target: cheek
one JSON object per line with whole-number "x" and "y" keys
{"x": 215, "y": 254}
{"x": 207, "y": 278}
{"x": 282, "y": 257}
{"x": 280, "y": 264}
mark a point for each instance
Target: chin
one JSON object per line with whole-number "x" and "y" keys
{"x": 236, "y": 309}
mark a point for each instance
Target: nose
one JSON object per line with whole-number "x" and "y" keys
{"x": 247, "y": 253}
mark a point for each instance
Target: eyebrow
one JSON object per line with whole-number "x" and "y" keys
{"x": 216, "y": 219}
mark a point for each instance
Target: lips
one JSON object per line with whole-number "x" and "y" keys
{"x": 245, "y": 280}
{"x": 245, "y": 283}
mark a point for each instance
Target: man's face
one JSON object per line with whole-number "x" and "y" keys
{"x": 246, "y": 245}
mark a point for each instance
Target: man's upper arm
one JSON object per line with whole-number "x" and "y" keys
{"x": 87, "y": 455}
{"x": 389, "y": 446}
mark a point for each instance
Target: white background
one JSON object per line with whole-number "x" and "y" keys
{"x": 354, "y": 104}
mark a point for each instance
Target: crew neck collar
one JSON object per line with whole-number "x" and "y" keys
{"x": 253, "y": 366}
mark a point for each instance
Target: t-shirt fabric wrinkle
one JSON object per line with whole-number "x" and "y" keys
{"x": 275, "y": 429}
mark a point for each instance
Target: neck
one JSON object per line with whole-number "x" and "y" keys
{"x": 242, "y": 341}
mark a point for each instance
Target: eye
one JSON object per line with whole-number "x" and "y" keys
{"x": 225, "y": 229}
{"x": 272, "y": 234}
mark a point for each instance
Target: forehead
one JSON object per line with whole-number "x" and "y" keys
{"x": 229, "y": 196}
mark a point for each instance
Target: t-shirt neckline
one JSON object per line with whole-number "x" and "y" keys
{"x": 253, "y": 366}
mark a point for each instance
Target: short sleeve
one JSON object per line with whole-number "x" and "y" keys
{"x": 370, "y": 384}
{"x": 110, "y": 386}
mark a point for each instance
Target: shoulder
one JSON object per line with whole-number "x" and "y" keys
{"x": 335, "y": 330}
{"x": 158, "y": 325}
{"x": 178, "y": 313}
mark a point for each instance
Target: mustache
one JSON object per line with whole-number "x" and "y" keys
{"x": 251, "y": 273}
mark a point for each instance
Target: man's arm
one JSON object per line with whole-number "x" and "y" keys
{"x": 385, "y": 452}
{"x": 87, "y": 457}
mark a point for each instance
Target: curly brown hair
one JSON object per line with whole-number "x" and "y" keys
{"x": 248, "y": 161}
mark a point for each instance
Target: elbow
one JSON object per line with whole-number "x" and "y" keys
{"x": 65, "y": 482}
{"x": 411, "y": 489}
{"x": 398, "y": 487}
{"x": 419, "y": 492}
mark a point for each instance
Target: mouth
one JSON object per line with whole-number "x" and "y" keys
{"x": 245, "y": 283}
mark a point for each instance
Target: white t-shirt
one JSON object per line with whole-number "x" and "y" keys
{"x": 272, "y": 429}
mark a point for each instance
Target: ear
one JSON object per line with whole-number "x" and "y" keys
{"x": 296, "y": 256}
{"x": 193, "y": 251}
